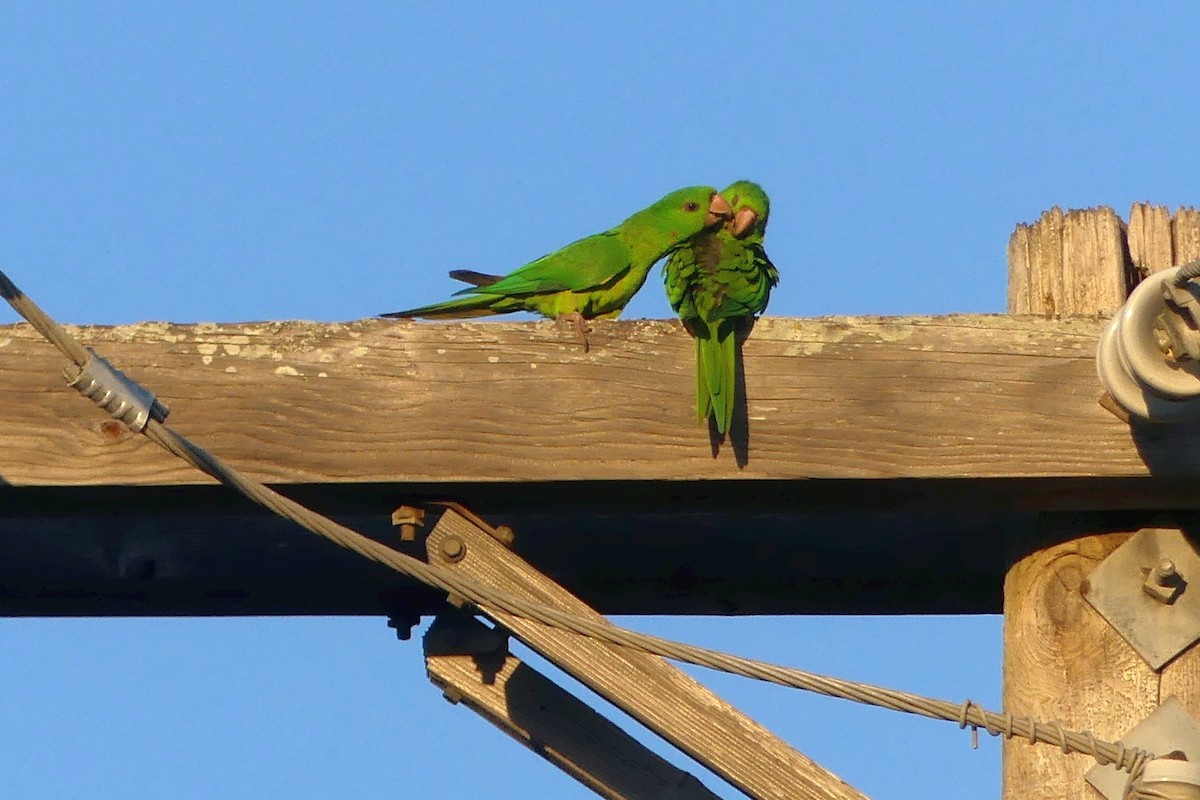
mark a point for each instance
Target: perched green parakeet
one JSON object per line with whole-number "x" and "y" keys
{"x": 592, "y": 277}
{"x": 715, "y": 281}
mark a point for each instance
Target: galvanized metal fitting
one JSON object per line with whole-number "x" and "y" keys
{"x": 453, "y": 548}
{"x": 118, "y": 394}
{"x": 408, "y": 519}
{"x": 1143, "y": 589}
{"x": 1163, "y": 582}
{"x": 504, "y": 535}
{"x": 1167, "y": 779}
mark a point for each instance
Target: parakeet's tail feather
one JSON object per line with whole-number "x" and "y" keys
{"x": 462, "y": 308}
{"x": 474, "y": 278}
{"x": 716, "y": 361}
{"x": 703, "y": 402}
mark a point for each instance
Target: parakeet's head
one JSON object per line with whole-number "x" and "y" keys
{"x": 750, "y": 208}
{"x": 685, "y": 212}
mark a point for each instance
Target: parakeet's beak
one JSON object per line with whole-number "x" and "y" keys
{"x": 718, "y": 210}
{"x": 743, "y": 221}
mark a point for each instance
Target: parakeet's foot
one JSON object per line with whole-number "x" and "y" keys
{"x": 581, "y": 326}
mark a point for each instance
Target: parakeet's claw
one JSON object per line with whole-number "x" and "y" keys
{"x": 718, "y": 210}
{"x": 581, "y": 327}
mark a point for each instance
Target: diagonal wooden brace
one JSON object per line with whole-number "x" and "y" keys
{"x": 648, "y": 688}
{"x": 471, "y": 664}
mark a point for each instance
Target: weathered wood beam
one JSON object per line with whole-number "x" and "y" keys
{"x": 546, "y": 718}
{"x": 869, "y": 440}
{"x": 650, "y": 689}
{"x": 982, "y": 397}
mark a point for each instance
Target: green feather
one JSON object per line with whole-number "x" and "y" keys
{"x": 715, "y": 281}
{"x": 595, "y": 276}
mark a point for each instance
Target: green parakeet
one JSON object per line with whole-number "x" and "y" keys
{"x": 715, "y": 281}
{"x": 592, "y": 277}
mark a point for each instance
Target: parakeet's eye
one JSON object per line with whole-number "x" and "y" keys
{"x": 734, "y": 201}
{"x": 691, "y": 206}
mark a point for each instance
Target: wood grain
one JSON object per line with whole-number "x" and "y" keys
{"x": 558, "y": 726}
{"x": 1063, "y": 662}
{"x": 1185, "y": 230}
{"x": 1151, "y": 246}
{"x": 651, "y": 690}
{"x": 374, "y": 401}
{"x": 1068, "y": 263}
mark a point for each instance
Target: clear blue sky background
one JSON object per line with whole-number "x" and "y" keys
{"x": 236, "y": 161}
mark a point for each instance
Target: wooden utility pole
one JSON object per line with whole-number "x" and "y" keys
{"x": 1062, "y": 659}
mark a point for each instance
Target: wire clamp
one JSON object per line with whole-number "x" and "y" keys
{"x": 114, "y": 391}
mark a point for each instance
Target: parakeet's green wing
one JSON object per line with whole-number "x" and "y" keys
{"x": 579, "y": 267}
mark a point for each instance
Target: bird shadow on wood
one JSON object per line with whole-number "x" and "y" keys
{"x": 738, "y": 434}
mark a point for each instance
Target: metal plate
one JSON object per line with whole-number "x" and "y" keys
{"x": 1157, "y": 631}
{"x": 1169, "y": 728}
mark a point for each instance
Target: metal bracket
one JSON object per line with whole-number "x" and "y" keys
{"x": 1169, "y": 729}
{"x": 1145, "y": 590}
{"x": 114, "y": 391}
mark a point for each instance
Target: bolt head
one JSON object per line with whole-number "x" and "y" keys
{"x": 453, "y": 548}
{"x": 1163, "y": 582}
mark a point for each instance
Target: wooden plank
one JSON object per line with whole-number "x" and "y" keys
{"x": 729, "y": 548}
{"x": 372, "y": 401}
{"x": 552, "y": 722}
{"x": 654, "y": 692}
{"x": 1150, "y": 238}
{"x": 1063, "y": 662}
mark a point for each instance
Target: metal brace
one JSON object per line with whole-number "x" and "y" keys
{"x": 1148, "y": 589}
{"x": 1168, "y": 731}
{"x": 114, "y": 391}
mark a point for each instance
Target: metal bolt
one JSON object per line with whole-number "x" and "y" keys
{"x": 408, "y": 519}
{"x": 403, "y": 624}
{"x": 453, "y": 548}
{"x": 504, "y": 535}
{"x": 1163, "y": 340}
{"x": 1163, "y": 582}
{"x": 1165, "y": 572}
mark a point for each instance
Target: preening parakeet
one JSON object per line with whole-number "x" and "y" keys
{"x": 715, "y": 281}
{"x": 592, "y": 277}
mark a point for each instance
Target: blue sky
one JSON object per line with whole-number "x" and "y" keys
{"x": 236, "y": 161}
